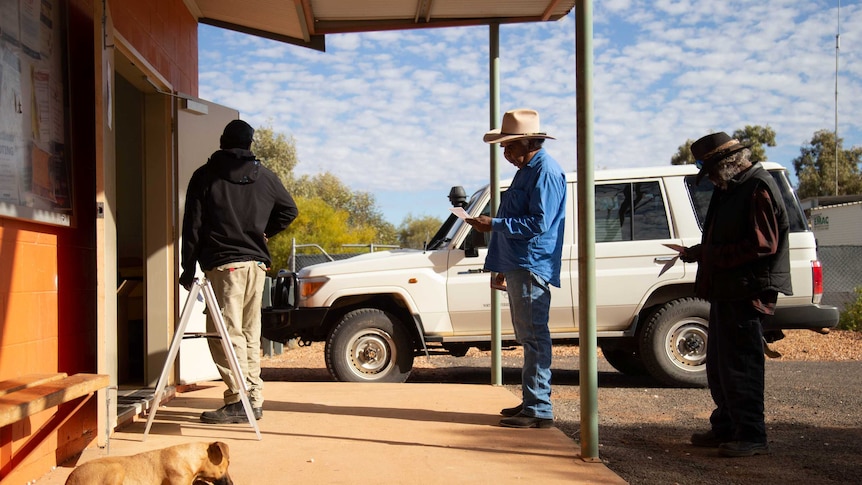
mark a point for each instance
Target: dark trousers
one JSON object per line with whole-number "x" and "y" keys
{"x": 735, "y": 370}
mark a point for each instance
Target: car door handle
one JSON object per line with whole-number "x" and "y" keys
{"x": 663, "y": 259}
{"x": 475, "y": 271}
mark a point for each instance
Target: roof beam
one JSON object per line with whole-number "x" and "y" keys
{"x": 351, "y": 26}
{"x": 306, "y": 16}
{"x": 316, "y": 42}
{"x": 549, "y": 10}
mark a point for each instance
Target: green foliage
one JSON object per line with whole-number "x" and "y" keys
{"x": 851, "y": 317}
{"x": 683, "y": 154}
{"x": 330, "y": 213}
{"x": 816, "y": 167}
{"x": 754, "y": 135}
{"x": 321, "y": 224}
{"x": 360, "y": 206}
{"x": 415, "y": 232}
{"x": 276, "y": 152}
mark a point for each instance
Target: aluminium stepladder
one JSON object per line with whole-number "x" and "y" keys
{"x": 202, "y": 285}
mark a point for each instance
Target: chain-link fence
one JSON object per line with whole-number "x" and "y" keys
{"x": 842, "y": 273}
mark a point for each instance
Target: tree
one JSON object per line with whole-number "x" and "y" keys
{"x": 816, "y": 167}
{"x": 756, "y": 136}
{"x": 361, "y": 206}
{"x": 276, "y": 152}
{"x": 683, "y": 154}
{"x": 330, "y": 213}
{"x": 321, "y": 224}
{"x": 415, "y": 232}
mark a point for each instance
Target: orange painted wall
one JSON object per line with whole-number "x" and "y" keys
{"x": 28, "y": 298}
{"x": 48, "y": 290}
{"x": 48, "y": 282}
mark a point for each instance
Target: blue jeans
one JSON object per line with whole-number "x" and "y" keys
{"x": 529, "y": 303}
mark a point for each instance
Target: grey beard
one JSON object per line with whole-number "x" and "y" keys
{"x": 730, "y": 167}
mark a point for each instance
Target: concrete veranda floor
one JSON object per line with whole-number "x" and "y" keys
{"x": 346, "y": 433}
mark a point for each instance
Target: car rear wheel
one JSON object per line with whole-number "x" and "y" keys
{"x": 673, "y": 343}
{"x": 369, "y": 345}
{"x": 623, "y": 355}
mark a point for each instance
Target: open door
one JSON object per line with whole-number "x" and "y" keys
{"x": 199, "y": 126}
{"x": 106, "y": 232}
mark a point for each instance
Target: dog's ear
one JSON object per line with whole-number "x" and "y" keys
{"x": 217, "y": 451}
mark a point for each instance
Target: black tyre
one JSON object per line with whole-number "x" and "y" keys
{"x": 369, "y": 345}
{"x": 673, "y": 343}
{"x": 623, "y": 355}
{"x": 457, "y": 350}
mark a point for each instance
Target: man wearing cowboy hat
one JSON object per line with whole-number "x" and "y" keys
{"x": 743, "y": 263}
{"x": 525, "y": 252}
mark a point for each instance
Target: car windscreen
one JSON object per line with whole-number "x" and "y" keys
{"x": 701, "y": 193}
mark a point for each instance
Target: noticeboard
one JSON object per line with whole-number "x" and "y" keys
{"x": 35, "y": 167}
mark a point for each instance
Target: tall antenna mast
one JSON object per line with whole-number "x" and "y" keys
{"x": 837, "y": 48}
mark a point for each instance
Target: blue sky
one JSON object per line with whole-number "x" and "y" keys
{"x": 401, "y": 114}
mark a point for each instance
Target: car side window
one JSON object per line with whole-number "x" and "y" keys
{"x": 630, "y": 212}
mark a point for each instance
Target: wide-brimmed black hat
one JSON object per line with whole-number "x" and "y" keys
{"x": 711, "y": 149}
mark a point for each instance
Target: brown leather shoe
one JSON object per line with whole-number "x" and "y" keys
{"x": 523, "y": 421}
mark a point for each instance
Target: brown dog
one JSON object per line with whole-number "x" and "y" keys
{"x": 174, "y": 465}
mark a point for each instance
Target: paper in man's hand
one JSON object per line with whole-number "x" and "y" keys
{"x": 460, "y": 212}
{"x": 668, "y": 265}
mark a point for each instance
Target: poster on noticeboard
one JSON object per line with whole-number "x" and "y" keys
{"x": 35, "y": 168}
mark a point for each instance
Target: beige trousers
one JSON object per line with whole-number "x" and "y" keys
{"x": 238, "y": 287}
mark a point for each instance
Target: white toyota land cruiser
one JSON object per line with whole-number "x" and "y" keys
{"x": 377, "y": 311}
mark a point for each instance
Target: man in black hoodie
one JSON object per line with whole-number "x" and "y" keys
{"x": 233, "y": 206}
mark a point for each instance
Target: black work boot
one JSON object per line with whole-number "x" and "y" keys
{"x": 229, "y": 413}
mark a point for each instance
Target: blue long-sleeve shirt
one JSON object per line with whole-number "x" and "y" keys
{"x": 527, "y": 232}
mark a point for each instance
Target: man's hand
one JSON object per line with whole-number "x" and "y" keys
{"x": 186, "y": 280}
{"x": 481, "y": 223}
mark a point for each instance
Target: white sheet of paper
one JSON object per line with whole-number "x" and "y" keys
{"x": 460, "y": 212}
{"x": 668, "y": 265}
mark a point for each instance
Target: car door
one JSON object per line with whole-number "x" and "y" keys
{"x": 632, "y": 227}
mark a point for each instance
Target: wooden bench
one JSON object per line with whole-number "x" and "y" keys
{"x": 33, "y": 393}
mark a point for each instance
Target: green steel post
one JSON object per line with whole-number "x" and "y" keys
{"x": 494, "y": 68}
{"x": 586, "y": 233}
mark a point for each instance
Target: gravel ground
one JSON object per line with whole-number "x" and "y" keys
{"x": 813, "y": 411}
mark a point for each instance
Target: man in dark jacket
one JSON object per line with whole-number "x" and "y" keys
{"x": 743, "y": 263}
{"x": 233, "y": 206}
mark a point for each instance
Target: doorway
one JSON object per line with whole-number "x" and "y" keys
{"x": 131, "y": 330}
{"x": 145, "y": 215}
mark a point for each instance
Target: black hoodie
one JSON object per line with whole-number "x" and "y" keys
{"x": 233, "y": 204}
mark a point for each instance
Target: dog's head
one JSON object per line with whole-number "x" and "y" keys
{"x": 214, "y": 468}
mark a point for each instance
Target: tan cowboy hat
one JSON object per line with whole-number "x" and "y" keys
{"x": 517, "y": 124}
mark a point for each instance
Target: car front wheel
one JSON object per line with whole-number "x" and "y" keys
{"x": 369, "y": 345}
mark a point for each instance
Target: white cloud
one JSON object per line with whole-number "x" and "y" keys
{"x": 401, "y": 114}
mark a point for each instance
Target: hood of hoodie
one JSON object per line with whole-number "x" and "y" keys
{"x": 235, "y": 165}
